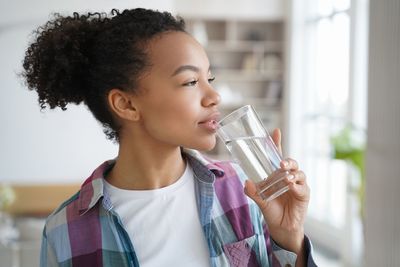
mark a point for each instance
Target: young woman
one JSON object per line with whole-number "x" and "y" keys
{"x": 159, "y": 202}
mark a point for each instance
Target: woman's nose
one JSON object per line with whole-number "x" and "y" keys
{"x": 211, "y": 97}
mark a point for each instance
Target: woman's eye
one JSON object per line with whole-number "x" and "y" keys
{"x": 195, "y": 82}
{"x": 191, "y": 83}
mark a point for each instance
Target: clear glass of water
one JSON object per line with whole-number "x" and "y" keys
{"x": 254, "y": 150}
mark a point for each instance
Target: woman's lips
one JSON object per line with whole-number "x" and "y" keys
{"x": 211, "y": 122}
{"x": 210, "y": 125}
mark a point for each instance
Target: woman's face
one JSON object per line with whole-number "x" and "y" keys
{"x": 178, "y": 106}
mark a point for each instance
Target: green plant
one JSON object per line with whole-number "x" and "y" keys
{"x": 345, "y": 147}
{"x": 7, "y": 196}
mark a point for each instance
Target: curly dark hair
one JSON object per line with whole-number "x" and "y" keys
{"x": 80, "y": 58}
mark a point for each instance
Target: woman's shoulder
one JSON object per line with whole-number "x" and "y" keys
{"x": 81, "y": 202}
{"x": 60, "y": 216}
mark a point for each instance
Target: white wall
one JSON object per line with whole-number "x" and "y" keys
{"x": 235, "y": 9}
{"x": 52, "y": 146}
{"x": 56, "y": 146}
{"x": 383, "y": 145}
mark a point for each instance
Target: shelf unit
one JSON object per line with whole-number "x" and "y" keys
{"x": 246, "y": 58}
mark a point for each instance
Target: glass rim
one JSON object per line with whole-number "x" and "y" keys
{"x": 234, "y": 115}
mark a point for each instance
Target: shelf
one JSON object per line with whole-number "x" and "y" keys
{"x": 242, "y": 45}
{"x": 247, "y": 59}
{"x": 247, "y": 75}
{"x": 270, "y": 104}
{"x": 255, "y": 10}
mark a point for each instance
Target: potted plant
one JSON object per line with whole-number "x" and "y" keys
{"x": 8, "y": 231}
{"x": 347, "y": 147}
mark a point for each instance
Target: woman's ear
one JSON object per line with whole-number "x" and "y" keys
{"x": 122, "y": 104}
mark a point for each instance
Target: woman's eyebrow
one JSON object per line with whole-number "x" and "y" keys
{"x": 185, "y": 68}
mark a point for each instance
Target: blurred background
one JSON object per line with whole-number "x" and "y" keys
{"x": 324, "y": 71}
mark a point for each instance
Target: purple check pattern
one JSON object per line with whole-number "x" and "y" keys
{"x": 86, "y": 231}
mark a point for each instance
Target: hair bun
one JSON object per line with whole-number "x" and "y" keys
{"x": 56, "y": 63}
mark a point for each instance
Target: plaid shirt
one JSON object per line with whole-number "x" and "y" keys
{"x": 86, "y": 231}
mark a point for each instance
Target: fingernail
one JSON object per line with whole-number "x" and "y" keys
{"x": 290, "y": 176}
{"x": 285, "y": 163}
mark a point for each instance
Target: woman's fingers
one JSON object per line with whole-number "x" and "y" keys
{"x": 298, "y": 185}
{"x": 289, "y": 164}
{"x": 294, "y": 179}
{"x": 277, "y": 138}
{"x": 299, "y": 177}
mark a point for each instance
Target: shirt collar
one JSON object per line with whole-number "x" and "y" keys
{"x": 211, "y": 165}
{"x": 92, "y": 190}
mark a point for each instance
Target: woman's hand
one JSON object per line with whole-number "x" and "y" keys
{"x": 285, "y": 214}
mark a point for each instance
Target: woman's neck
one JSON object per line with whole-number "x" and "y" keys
{"x": 141, "y": 166}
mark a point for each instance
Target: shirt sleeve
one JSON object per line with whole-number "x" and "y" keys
{"x": 287, "y": 258}
{"x": 47, "y": 255}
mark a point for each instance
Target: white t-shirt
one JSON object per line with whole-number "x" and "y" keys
{"x": 164, "y": 223}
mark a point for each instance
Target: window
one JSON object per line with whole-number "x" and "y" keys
{"x": 327, "y": 92}
{"x": 326, "y": 101}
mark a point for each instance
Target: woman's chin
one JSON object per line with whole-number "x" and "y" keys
{"x": 206, "y": 145}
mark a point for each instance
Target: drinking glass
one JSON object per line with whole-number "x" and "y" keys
{"x": 254, "y": 150}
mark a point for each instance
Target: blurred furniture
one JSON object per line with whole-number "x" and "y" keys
{"x": 40, "y": 199}
{"x": 32, "y": 205}
{"x": 246, "y": 57}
